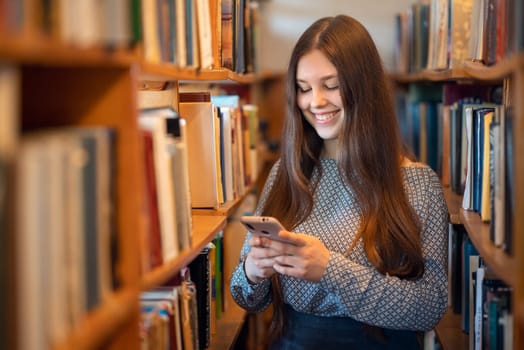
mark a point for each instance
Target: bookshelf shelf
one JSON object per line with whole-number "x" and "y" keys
{"x": 503, "y": 264}
{"x": 226, "y": 209}
{"x": 103, "y": 322}
{"x": 470, "y": 71}
{"x": 453, "y": 201}
{"x": 477, "y": 70}
{"x": 430, "y": 75}
{"x": 205, "y": 228}
{"x": 169, "y": 72}
{"x": 35, "y": 50}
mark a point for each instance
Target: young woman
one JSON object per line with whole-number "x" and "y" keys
{"x": 367, "y": 265}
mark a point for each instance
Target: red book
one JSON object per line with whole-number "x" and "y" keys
{"x": 155, "y": 239}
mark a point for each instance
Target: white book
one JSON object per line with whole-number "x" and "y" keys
{"x": 203, "y": 17}
{"x": 79, "y": 22}
{"x": 479, "y": 303}
{"x": 115, "y": 17}
{"x": 31, "y": 232}
{"x": 467, "y": 199}
{"x": 473, "y": 267}
{"x": 56, "y": 155}
{"x": 180, "y": 174}
{"x": 151, "y": 39}
{"x": 500, "y": 181}
{"x": 227, "y": 155}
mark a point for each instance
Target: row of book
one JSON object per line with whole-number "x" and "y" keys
{"x": 200, "y": 157}
{"x": 182, "y": 314}
{"x": 482, "y": 299}
{"x": 442, "y": 34}
{"x": 466, "y": 136}
{"x": 82, "y": 23}
{"x": 65, "y": 229}
{"x": 202, "y": 33}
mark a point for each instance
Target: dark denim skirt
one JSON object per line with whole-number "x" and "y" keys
{"x": 309, "y": 332}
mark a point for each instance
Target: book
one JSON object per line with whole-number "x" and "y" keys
{"x": 239, "y": 36}
{"x": 204, "y": 30}
{"x": 199, "y": 113}
{"x": 476, "y": 43}
{"x": 181, "y": 35}
{"x": 227, "y": 33}
{"x": 154, "y": 120}
{"x": 485, "y": 194}
{"x": 200, "y": 271}
{"x": 151, "y": 46}
{"x": 456, "y": 236}
{"x": 215, "y": 11}
{"x": 237, "y": 134}
{"x": 166, "y": 299}
{"x": 445, "y": 158}
{"x": 497, "y": 224}
{"x": 188, "y": 311}
{"x": 250, "y": 111}
{"x": 489, "y": 38}
{"x": 468, "y": 251}
{"x": 154, "y": 237}
{"x": 177, "y": 146}
{"x": 460, "y": 24}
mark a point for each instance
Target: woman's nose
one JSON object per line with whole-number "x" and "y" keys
{"x": 318, "y": 98}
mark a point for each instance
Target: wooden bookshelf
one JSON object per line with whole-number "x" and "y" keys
{"x": 503, "y": 264}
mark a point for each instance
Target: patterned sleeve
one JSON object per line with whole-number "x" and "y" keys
{"x": 387, "y": 301}
{"x": 250, "y": 296}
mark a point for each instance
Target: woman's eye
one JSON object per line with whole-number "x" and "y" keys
{"x": 303, "y": 89}
{"x": 335, "y": 87}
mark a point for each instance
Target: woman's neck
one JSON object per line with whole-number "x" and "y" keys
{"x": 330, "y": 149}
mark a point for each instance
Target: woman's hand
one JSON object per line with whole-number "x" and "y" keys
{"x": 306, "y": 257}
{"x": 260, "y": 260}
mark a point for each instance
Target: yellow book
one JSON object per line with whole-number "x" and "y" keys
{"x": 485, "y": 212}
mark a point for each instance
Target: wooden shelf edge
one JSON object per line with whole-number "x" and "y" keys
{"x": 453, "y": 202}
{"x": 225, "y": 209}
{"x": 35, "y": 50}
{"x": 502, "y": 264}
{"x": 496, "y": 72}
{"x": 449, "y": 332}
{"x": 164, "y": 71}
{"x": 470, "y": 70}
{"x": 103, "y": 322}
{"x": 228, "y": 327}
{"x": 205, "y": 228}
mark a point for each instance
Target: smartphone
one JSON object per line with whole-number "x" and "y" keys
{"x": 263, "y": 226}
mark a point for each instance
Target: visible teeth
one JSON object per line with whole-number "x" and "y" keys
{"x": 323, "y": 117}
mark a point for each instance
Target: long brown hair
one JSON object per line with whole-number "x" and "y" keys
{"x": 369, "y": 154}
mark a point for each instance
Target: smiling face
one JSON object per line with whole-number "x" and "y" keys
{"x": 318, "y": 97}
